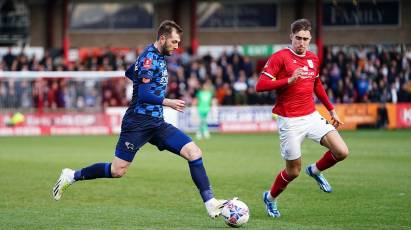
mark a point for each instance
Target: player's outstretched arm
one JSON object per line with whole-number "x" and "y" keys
{"x": 176, "y": 104}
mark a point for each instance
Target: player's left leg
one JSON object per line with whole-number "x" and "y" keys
{"x": 192, "y": 153}
{"x": 334, "y": 142}
{"x": 338, "y": 151}
{"x": 175, "y": 141}
{"x": 328, "y": 136}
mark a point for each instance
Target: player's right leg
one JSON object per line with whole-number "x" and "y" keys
{"x": 291, "y": 136}
{"x": 65, "y": 179}
{"x": 270, "y": 205}
{"x": 283, "y": 178}
{"x": 116, "y": 169}
{"x": 69, "y": 176}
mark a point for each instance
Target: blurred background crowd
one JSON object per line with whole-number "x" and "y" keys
{"x": 349, "y": 74}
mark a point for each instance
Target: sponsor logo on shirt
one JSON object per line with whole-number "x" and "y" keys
{"x": 307, "y": 73}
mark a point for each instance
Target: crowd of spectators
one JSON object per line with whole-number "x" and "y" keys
{"x": 350, "y": 74}
{"x": 372, "y": 74}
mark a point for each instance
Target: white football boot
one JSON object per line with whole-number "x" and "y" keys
{"x": 65, "y": 180}
{"x": 214, "y": 207}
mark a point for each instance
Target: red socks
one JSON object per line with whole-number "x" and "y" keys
{"x": 326, "y": 161}
{"x": 282, "y": 179}
{"x": 280, "y": 184}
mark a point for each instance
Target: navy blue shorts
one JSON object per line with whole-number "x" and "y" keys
{"x": 137, "y": 130}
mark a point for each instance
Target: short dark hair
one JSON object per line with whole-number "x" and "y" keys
{"x": 166, "y": 28}
{"x": 300, "y": 24}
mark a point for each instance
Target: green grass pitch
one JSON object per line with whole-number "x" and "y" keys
{"x": 372, "y": 188}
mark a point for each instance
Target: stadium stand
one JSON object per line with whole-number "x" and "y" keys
{"x": 351, "y": 74}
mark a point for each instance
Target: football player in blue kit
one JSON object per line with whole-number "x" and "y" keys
{"x": 144, "y": 122}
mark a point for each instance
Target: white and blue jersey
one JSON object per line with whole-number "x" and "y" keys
{"x": 149, "y": 65}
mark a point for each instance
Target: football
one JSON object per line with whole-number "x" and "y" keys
{"x": 235, "y": 213}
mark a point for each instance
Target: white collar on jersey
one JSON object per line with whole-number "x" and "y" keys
{"x": 299, "y": 55}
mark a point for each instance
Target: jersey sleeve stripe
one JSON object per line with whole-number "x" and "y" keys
{"x": 271, "y": 76}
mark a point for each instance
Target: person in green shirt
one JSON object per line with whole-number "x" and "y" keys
{"x": 204, "y": 100}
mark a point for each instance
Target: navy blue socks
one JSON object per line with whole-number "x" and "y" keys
{"x": 199, "y": 176}
{"x": 197, "y": 170}
{"x": 98, "y": 170}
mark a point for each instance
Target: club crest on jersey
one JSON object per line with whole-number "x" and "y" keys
{"x": 310, "y": 63}
{"x": 147, "y": 63}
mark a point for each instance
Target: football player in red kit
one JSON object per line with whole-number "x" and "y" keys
{"x": 294, "y": 73}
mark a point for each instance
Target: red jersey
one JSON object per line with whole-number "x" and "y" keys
{"x": 295, "y": 99}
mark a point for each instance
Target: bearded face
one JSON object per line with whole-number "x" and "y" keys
{"x": 170, "y": 44}
{"x": 167, "y": 49}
